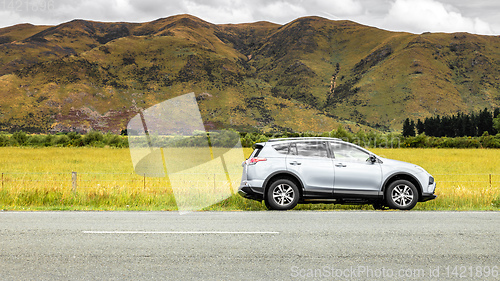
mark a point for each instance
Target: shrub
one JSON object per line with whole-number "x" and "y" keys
{"x": 496, "y": 202}
{"x": 93, "y": 138}
{"x": 113, "y": 140}
{"x": 35, "y": 140}
{"x": 74, "y": 135}
{"x": 61, "y": 140}
{"x": 488, "y": 141}
{"x": 4, "y": 140}
{"x": 19, "y": 138}
{"x": 47, "y": 140}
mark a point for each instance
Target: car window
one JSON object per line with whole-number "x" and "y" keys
{"x": 281, "y": 148}
{"x": 256, "y": 151}
{"x": 346, "y": 152}
{"x": 309, "y": 149}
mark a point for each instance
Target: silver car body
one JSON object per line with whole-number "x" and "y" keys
{"x": 328, "y": 170}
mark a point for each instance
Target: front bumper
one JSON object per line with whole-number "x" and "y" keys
{"x": 427, "y": 197}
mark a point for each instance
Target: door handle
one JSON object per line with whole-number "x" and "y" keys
{"x": 340, "y": 165}
{"x": 295, "y": 163}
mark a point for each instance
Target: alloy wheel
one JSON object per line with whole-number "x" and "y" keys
{"x": 402, "y": 195}
{"x": 283, "y": 194}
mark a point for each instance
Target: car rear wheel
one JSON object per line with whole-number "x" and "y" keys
{"x": 402, "y": 195}
{"x": 283, "y": 194}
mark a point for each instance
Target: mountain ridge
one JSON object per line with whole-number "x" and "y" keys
{"x": 311, "y": 74}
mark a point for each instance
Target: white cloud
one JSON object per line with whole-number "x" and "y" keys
{"x": 280, "y": 11}
{"x": 221, "y": 11}
{"x": 339, "y": 7}
{"x": 9, "y": 18}
{"x": 429, "y": 15}
{"x": 404, "y": 15}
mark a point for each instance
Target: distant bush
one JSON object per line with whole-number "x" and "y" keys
{"x": 93, "y": 138}
{"x": 61, "y": 140}
{"x": 19, "y": 138}
{"x": 4, "y": 140}
{"x": 230, "y": 138}
{"x": 47, "y": 140}
{"x": 35, "y": 140}
{"x": 115, "y": 140}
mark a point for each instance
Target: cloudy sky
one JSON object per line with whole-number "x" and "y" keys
{"x": 416, "y": 16}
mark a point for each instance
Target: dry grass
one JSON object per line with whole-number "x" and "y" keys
{"x": 462, "y": 176}
{"x": 41, "y": 179}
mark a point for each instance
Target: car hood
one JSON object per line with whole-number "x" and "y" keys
{"x": 401, "y": 164}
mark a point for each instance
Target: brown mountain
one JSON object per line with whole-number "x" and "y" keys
{"x": 311, "y": 74}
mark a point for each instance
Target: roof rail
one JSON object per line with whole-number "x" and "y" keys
{"x": 304, "y": 138}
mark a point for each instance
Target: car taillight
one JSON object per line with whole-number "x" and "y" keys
{"x": 253, "y": 161}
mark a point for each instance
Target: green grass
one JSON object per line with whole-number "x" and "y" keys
{"x": 40, "y": 179}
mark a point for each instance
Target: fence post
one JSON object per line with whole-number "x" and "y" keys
{"x": 73, "y": 179}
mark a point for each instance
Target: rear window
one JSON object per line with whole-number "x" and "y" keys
{"x": 256, "y": 151}
{"x": 281, "y": 148}
{"x": 309, "y": 149}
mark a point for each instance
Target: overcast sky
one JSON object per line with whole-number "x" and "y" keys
{"x": 416, "y": 16}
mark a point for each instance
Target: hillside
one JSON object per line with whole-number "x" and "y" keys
{"x": 311, "y": 74}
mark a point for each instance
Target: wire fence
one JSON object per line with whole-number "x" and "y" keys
{"x": 490, "y": 180}
{"x": 82, "y": 180}
{"x": 77, "y": 181}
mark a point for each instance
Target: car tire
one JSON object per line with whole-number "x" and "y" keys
{"x": 282, "y": 194}
{"x": 401, "y": 195}
{"x": 267, "y": 205}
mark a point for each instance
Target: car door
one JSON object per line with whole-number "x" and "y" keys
{"x": 354, "y": 172}
{"x": 311, "y": 162}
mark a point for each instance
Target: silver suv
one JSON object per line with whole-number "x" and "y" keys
{"x": 285, "y": 172}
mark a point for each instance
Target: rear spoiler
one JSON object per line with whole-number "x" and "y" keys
{"x": 258, "y": 145}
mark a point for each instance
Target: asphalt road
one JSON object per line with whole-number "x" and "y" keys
{"x": 352, "y": 245}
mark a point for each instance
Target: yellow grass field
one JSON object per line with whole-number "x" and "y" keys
{"x": 41, "y": 179}
{"x": 462, "y": 176}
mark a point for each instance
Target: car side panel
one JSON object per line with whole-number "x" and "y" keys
{"x": 316, "y": 173}
{"x": 357, "y": 178}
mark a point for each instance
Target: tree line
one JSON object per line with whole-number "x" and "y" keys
{"x": 370, "y": 139}
{"x": 458, "y": 125}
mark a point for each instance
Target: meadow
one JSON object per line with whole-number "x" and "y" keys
{"x": 42, "y": 179}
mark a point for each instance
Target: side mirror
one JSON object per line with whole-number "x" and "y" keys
{"x": 373, "y": 159}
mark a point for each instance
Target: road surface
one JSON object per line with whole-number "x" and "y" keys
{"x": 293, "y": 245}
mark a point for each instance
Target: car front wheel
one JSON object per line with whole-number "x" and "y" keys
{"x": 402, "y": 195}
{"x": 283, "y": 194}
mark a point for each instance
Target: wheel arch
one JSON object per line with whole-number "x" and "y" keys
{"x": 403, "y": 176}
{"x": 283, "y": 175}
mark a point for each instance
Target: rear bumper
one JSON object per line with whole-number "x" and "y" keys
{"x": 250, "y": 192}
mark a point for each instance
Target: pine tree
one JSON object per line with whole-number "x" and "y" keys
{"x": 485, "y": 122}
{"x": 408, "y": 128}
{"x": 420, "y": 127}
